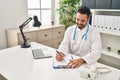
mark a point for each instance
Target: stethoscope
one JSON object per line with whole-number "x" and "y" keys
{"x": 84, "y": 36}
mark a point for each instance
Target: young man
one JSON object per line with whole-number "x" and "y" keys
{"x": 82, "y": 40}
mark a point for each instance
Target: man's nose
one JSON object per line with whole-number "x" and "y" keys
{"x": 80, "y": 22}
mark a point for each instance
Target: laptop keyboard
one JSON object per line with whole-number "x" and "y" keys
{"x": 41, "y": 53}
{"x": 37, "y": 53}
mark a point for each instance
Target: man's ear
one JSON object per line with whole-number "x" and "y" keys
{"x": 90, "y": 20}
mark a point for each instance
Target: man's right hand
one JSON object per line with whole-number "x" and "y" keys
{"x": 59, "y": 56}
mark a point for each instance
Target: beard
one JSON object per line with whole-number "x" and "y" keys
{"x": 81, "y": 26}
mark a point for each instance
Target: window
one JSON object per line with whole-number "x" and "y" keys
{"x": 43, "y": 9}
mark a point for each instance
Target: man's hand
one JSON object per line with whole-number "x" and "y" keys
{"x": 75, "y": 63}
{"x": 59, "y": 56}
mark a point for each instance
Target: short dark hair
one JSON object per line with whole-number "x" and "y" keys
{"x": 84, "y": 10}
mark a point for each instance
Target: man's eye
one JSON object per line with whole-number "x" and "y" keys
{"x": 82, "y": 20}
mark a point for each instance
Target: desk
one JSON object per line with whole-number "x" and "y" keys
{"x": 18, "y": 64}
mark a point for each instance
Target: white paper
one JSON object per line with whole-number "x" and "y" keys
{"x": 65, "y": 62}
{"x": 62, "y": 63}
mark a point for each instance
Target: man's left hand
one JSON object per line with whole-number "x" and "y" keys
{"x": 75, "y": 63}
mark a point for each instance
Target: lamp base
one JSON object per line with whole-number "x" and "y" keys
{"x": 25, "y": 45}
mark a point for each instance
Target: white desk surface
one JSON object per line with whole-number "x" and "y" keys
{"x": 18, "y": 64}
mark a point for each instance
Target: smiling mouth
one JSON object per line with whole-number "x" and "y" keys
{"x": 81, "y": 25}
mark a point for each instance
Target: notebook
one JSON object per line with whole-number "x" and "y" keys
{"x": 62, "y": 64}
{"x": 41, "y": 53}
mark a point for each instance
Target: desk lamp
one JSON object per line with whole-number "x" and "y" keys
{"x": 36, "y": 23}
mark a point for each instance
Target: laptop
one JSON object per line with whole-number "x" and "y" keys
{"x": 41, "y": 53}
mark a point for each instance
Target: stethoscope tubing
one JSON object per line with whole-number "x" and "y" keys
{"x": 84, "y": 35}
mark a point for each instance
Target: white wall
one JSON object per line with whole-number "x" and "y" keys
{"x": 12, "y": 14}
{"x": 56, "y": 12}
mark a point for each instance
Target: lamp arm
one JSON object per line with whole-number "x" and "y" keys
{"x": 23, "y": 36}
{"x": 24, "y": 45}
{"x": 25, "y": 23}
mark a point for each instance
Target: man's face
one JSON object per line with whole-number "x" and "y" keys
{"x": 81, "y": 20}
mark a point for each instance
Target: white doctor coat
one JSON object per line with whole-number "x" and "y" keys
{"x": 89, "y": 49}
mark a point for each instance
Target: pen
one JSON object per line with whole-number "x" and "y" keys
{"x": 60, "y": 54}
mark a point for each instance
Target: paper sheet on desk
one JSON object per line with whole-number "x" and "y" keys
{"x": 62, "y": 64}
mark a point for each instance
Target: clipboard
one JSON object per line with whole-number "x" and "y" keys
{"x": 62, "y": 64}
